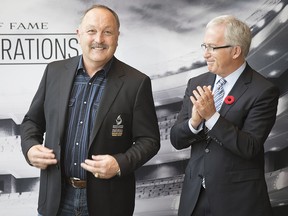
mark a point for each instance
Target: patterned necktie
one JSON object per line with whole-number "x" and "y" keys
{"x": 219, "y": 93}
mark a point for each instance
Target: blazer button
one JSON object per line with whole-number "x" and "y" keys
{"x": 207, "y": 150}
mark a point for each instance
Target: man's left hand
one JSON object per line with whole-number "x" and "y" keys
{"x": 102, "y": 166}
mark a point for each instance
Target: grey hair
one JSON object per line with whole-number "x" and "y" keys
{"x": 237, "y": 33}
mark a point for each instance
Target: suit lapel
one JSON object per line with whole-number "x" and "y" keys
{"x": 210, "y": 79}
{"x": 66, "y": 78}
{"x": 238, "y": 89}
{"x": 112, "y": 88}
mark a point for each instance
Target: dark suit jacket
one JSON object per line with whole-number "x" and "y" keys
{"x": 231, "y": 155}
{"x": 127, "y": 92}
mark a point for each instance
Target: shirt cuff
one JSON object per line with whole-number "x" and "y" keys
{"x": 193, "y": 130}
{"x": 212, "y": 121}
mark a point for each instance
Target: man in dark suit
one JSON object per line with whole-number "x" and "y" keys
{"x": 100, "y": 123}
{"x": 226, "y": 128}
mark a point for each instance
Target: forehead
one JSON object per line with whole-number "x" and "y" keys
{"x": 214, "y": 34}
{"x": 99, "y": 16}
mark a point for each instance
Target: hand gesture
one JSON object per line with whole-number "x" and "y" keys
{"x": 203, "y": 100}
{"x": 102, "y": 166}
{"x": 41, "y": 157}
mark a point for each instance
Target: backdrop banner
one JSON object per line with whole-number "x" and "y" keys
{"x": 160, "y": 38}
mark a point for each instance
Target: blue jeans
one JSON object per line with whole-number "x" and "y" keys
{"x": 73, "y": 202}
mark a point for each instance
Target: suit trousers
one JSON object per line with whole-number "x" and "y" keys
{"x": 202, "y": 207}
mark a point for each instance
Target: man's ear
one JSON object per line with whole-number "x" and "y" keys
{"x": 237, "y": 51}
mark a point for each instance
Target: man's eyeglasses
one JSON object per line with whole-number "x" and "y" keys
{"x": 209, "y": 48}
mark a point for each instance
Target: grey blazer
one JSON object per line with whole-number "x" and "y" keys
{"x": 231, "y": 155}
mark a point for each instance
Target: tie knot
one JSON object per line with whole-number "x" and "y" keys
{"x": 221, "y": 82}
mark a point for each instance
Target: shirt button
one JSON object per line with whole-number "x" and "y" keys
{"x": 85, "y": 102}
{"x": 207, "y": 150}
{"x": 75, "y": 164}
{"x": 81, "y": 122}
{"x": 77, "y": 144}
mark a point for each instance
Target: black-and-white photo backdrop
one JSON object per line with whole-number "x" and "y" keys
{"x": 160, "y": 38}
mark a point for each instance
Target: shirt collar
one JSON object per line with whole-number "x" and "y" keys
{"x": 232, "y": 78}
{"x": 106, "y": 67}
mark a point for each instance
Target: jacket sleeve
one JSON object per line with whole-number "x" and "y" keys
{"x": 244, "y": 129}
{"x": 181, "y": 136}
{"x": 145, "y": 131}
{"x": 34, "y": 124}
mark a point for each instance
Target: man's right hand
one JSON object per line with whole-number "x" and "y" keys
{"x": 41, "y": 157}
{"x": 196, "y": 119}
{"x": 203, "y": 100}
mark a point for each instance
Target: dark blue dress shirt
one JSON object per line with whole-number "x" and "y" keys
{"x": 85, "y": 97}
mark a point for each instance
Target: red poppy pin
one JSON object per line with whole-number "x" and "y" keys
{"x": 229, "y": 100}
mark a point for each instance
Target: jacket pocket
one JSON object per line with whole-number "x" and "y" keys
{"x": 245, "y": 175}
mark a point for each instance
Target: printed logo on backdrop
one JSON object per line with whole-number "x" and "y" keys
{"x": 32, "y": 43}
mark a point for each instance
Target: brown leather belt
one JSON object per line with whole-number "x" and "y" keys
{"x": 76, "y": 182}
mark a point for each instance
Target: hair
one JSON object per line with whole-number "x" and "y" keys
{"x": 103, "y": 7}
{"x": 237, "y": 33}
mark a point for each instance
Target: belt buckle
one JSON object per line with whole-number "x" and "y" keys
{"x": 73, "y": 180}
